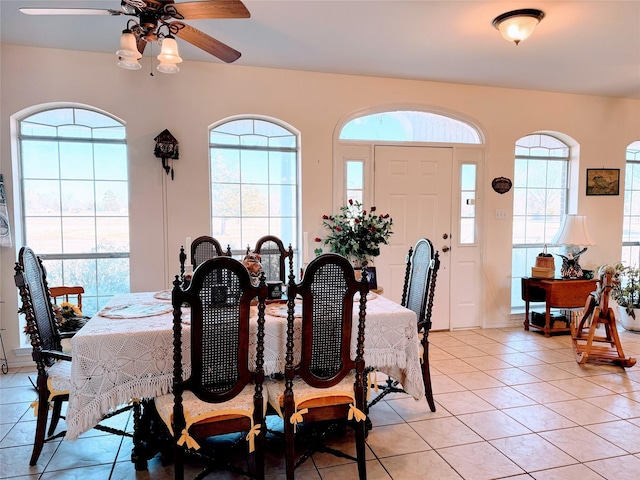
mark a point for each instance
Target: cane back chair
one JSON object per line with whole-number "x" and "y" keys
{"x": 273, "y": 257}
{"x": 53, "y": 365}
{"x": 223, "y": 393}
{"x": 206, "y": 247}
{"x": 422, "y": 265}
{"x": 327, "y": 384}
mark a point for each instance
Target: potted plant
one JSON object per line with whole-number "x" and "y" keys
{"x": 356, "y": 233}
{"x": 626, "y": 293}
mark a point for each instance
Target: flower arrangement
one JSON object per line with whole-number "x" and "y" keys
{"x": 356, "y": 233}
{"x": 69, "y": 317}
{"x": 626, "y": 290}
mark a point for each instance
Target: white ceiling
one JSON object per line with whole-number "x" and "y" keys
{"x": 584, "y": 47}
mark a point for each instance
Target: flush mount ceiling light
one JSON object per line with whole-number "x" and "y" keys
{"x": 517, "y": 25}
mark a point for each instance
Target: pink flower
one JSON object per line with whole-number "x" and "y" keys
{"x": 356, "y": 220}
{"x": 338, "y": 229}
{"x": 350, "y": 202}
{"x": 373, "y": 229}
{"x": 373, "y": 209}
{"x": 318, "y": 239}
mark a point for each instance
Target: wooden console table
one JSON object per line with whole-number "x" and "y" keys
{"x": 556, "y": 293}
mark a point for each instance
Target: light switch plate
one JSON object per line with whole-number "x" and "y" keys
{"x": 501, "y": 214}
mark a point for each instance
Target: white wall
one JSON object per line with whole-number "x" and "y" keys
{"x": 314, "y": 103}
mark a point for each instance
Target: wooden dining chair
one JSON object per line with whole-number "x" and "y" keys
{"x": 273, "y": 257}
{"x": 206, "y": 247}
{"x": 66, "y": 293}
{"x": 223, "y": 393}
{"x": 53, "y": 365}
{"x": 327, "y": 384}
{"x": 421, "y": 272}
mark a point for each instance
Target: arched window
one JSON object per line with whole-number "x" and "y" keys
{"x": 540, "y": 188}
{"x": 409, "y": 126}
{"x": 254, "y": 182}
{"x": 631, "y": 215}
{"x": 75, "y": 204}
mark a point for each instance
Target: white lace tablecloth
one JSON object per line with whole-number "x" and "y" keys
{"x": 116, "y": 359}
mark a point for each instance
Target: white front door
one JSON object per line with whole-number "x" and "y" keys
{"x": 414, "y": 185}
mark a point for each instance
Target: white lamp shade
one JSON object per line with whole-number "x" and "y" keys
{"x": 129, "y": 63}
{"x": 128, "y": 46}
{"x": 166, "y": 67}
{"x": 573, "y": 231}
{"x": 169, "y": 53}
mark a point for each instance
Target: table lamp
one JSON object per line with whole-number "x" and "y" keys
{"x": 573, "y": 234}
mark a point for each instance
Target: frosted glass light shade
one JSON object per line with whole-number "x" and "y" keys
{"x": 129, "y": 63}
{"x": 518, "y": 25}
{"x": 128, "y": 46}
{"x": 573, "y": 231}
{"x": 169, "y": 53}
{"x": 166, "y": 67}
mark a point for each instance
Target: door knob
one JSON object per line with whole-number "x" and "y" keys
{"x": 445, "y": 236}
{"x": 445, "y": 249}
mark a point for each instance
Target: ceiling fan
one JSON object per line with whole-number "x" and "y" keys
{"x": 156, "y": 15}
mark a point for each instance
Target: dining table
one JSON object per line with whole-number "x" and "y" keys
{"x": 125, "y": 351}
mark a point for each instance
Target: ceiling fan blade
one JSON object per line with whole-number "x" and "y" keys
{"x": 69, "y": 11}
{"x": 212, "y": 9}
{"x": 207, "y": 43}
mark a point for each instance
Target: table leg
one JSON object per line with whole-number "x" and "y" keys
{"x": 526, "y": 315}
{"x": 547, "y": 321}
{"x": 150, "y": 436}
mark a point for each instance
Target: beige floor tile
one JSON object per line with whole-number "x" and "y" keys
{"x": 445, "y": 432}
{"x": 618, "y": 468}
{"x": 532, "y": 452}
{"x": 395, "y": 440}
{"x": 571, "y": 472}
{"x": 619, "y": 405}
{"x": 14, "y": 461}
{"x": 583, "y": 370}
{"x": 527, "y": 345}
{"x": 582, "y": 444}
{"x": 614, "y": 382}
{"x": 382, "y": 414}
{"x": 538, "y": 418}
{"x": 465, "y": 351}
{"x": 519, "y": 359}
{"x": 580, "y": 387}
{"x": 479, "y": 461}
{"x": 459, "y": 403}
{"x": 419, "y": 466}
{"x": 495, "y": 348}
{"x": 445, "y": 384}
{"x": 544, "y": 392}
{"x": 623, "y": 434}
{"x": 552, "y": 356}
{"x": 582, "y": 412}
{"x": 504, "y": 397}
{"x": 547, "y": 372}
{"x": 412, "y": 411}
{"x": 476, "y": 380}
{"x": 448, "y": 367}
{"x": 513, "y": 376}
{"x": 444, "y": 341}
{"x": 375, "y": 471}
{"x": 493, "y": 425}
{"x": 83, "y": 473}
{"x": 86, "y": 452}
{"x": 488, "y": 362}
{"x": 476, "y": 340}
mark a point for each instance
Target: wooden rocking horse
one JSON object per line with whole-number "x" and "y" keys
{"x": 588, "y": 346}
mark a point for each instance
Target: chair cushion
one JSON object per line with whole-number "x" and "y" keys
{"x": 306, "y": 396}
{"x": 59, "y": 381}
{"x": 197, "y": 411}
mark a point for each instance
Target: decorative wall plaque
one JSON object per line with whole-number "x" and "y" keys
{"x": 501, "y": 184}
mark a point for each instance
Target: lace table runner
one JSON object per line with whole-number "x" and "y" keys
{"x": 115, "y": 360}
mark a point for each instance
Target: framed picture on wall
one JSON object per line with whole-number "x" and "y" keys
{"x": 603, "y": 181}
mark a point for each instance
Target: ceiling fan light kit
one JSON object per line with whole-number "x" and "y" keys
{"x": 518, "y": 25}
{"x": 156, "y": 15}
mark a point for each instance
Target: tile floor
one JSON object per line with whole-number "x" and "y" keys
{"x": 510, "y": 404}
